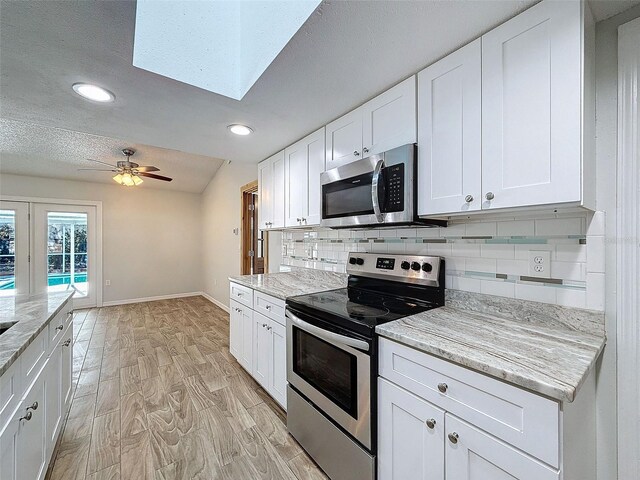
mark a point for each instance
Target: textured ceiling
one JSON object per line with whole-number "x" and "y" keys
{"x": 346, "y": 53}
{"x": 27, "y": 149}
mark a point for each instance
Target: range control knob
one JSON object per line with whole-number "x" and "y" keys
{"x": 415, "y": 266}
{"x": 360, "y": 261}
{"x": 352, "y": 260}
{"x": 405, "y": 265}
{"x": 426, "y": 267}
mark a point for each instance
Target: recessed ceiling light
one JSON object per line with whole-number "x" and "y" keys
{"x": 240, "y": 129}
{"x": 93, "y": 92}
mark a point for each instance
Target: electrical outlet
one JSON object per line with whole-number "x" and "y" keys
{"x": 107, "y": 282}
{"x": 540, "y": 263}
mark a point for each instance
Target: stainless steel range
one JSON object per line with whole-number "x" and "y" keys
{"x": 332, "y": 356}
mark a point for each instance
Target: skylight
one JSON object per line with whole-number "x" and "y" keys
{"x": 223, "y": 46}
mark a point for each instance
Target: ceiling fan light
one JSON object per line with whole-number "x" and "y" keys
{"x": 137, "y": 180}
{"x": 118, "y": 178}
{"x": 127, "y": 180}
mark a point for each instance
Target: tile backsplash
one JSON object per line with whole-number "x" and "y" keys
{"x": 480, "y": 256}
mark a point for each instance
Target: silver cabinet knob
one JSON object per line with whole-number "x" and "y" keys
{"x": 443, "y": 387}
{"x": 67, "y": 343}
{"x": 453, "y": 437}
{"x": 33, "y": 406}
{"x": 489, "y": 196}
{"x": 431, "y": 423}
{"x": 268, "y": 307}
{"x": 264, "y": 325}
{"x": 27, "y": 416}
{"x": 304, "y": 220}
{"x": 356, "y": 153}
{"x": 268, "y": 328}
{"x": 468, "y": 198}
{"x": 59, "y": 327}
{"x": 365, "y": 150}
{"x": 298, "y": 220}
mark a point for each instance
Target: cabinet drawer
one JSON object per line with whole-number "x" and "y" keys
{"x": 528, "y": 421}
{"x": 33, "y": 358}
{"x": 58, "y": 325}
{"x": 269, "y": 306}
{"x": 10, "y": 391}
{"x": 241, "y": 294}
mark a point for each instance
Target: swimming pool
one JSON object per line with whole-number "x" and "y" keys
{"x": 53, "y": 279}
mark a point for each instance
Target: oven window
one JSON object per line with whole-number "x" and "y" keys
{"x": 330, "y": 370}
{"x": 345, "y": 198}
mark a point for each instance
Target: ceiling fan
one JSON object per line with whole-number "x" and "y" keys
{"x": 128, "y": 173}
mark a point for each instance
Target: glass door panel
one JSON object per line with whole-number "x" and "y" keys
{"x": 14, "y": 248}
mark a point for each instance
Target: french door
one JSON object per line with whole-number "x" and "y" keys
{"x": 65, "y": 251}
{"x": 14, "y": 248}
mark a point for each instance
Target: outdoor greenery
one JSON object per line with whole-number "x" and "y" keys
{"x": 7, "y": 249}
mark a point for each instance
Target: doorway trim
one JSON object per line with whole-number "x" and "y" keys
{"x": 246, "y": 239}
{"x": 628, "y": 250}
{"x": 66, "y": 201}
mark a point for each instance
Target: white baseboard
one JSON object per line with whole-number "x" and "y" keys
{"x": 152, "y": 299}
{"x": 215, "y": 302}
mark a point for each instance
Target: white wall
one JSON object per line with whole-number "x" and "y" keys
{"x": 151, "y": 238}
{"x": 221, "y": 203}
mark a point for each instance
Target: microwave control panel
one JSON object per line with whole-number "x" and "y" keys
{"x": 394, "y": 182}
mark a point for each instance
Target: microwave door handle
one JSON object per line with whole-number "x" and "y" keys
{"x": 375, "y": 181}
{"x": 326, "y": 335}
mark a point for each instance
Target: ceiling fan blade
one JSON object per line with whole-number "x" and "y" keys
{"x": 147, "y": 168}
{"x": 99, "y": 169}
{"x": 98, "y": 161}
{"x": 153, "y": 175}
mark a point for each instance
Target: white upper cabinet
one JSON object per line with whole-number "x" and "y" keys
{"x": 532, "y": 79}
{"x": 449, "y": 138}
{"x": 304, "y": 162}
{"x": 385, "y": 122}
{"x": 389, "y": 120}
{"x": 271, "y": 192}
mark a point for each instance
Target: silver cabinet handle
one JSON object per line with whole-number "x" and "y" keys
{"x": 453, "y": 437}
{"x": 264, "y": 325}
{"x": 298, "y": 219}
{"x": 33, "y": 406}
{"x": 443, "y": 387}
{"x": 489, "y": 196}
{"x": 431, "y": 423}
{"x": 67, "y": 343}
{"x": 268, "y": 307}
{"x": 59, "y": 327}
{"x": 468, "y": 198}
{"x": 268, "y": 327}
{"x": 27, "y": 416}
{"x": 356, "y": 153}
{"x": 325, "y": 334}
{"x": 365, "y": 150}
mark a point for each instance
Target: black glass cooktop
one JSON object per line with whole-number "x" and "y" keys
{"x": 357, "y": 309}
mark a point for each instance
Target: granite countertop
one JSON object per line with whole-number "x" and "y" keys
{"x": 545, "y": 348}
{"x": 26, "y": 316}
{"x": 298, "y": 282}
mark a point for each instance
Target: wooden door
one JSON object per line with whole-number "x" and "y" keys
{"x": 278, "y": 374}
{"x": 531, "y": 107}
{"x": 343, "y": 141}
{"x": 389, "y": 120}
{"x": 410, "y": 435}
{"x": 473, "y": 454}
{"x": 449, "y": 136}
{"x": 261, "y": 349}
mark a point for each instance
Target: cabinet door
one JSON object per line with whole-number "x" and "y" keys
{"x": 265, "y": 189}
{"x": 67, "y": 368}
{"x": 261, "y": 349}
{"x": 449, "y": 137}
{"x": 9, "y": 445}
{"x": 389, "y": 120}
{"x": 53, "y": 406}
{"x": 531, "y": 107}
{"x": 277, "y": 213}
{"x": 278, "y": 374}
{"x": 31, "y": 451}
{"x": 295, "y": 175}
{"x": 246, "y": 353}
{"x": 410, "y": 436}
{"x": 476, "y": 454}
{"x": 315, "y": 166}
{"x": 344, "y": 139}
{"x": 235, "y": 329}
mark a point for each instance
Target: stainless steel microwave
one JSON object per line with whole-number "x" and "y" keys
{"x": 380, "y": 190}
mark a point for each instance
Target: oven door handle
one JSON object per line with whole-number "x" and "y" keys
{"x": 326, "y": 335}
{"x": 375, "y": 182}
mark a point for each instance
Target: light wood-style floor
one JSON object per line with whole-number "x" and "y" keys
{"x": 159, "y": 397}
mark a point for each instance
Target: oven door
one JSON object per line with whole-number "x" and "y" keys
{"x": 334, "y": 372}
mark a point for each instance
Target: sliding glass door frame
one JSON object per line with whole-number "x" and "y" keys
{"x": 21, "y": 246}
{"x": 58, "y": 202}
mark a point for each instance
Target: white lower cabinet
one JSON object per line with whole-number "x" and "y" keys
{"x": 29, "y": 434}
{"x": 257, "y": 339}
{"x": 438, "y": 420}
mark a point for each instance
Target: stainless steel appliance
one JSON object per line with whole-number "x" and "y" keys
{"x": 378, "y": 190}
{"x": 332, "y": 356}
